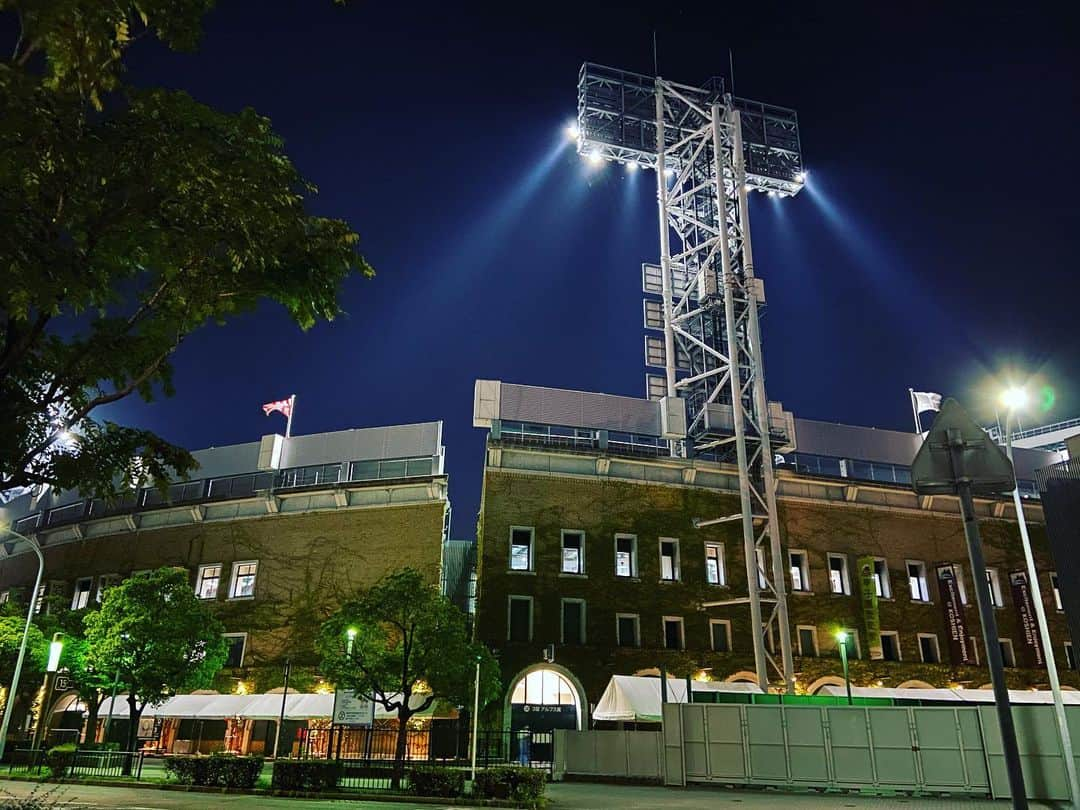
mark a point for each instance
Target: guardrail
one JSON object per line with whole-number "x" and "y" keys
{"x": 88, "y": 763}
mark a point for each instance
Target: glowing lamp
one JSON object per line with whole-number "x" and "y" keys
{"x": 55, "y": 649}
{"x": 1014, "y": 398}
{"x": 571, "y": 131}
{"x": 631, "y": 167}
{"x": 594, "y": 158}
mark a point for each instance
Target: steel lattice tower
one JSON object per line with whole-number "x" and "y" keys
{"x": 709, "y": 150}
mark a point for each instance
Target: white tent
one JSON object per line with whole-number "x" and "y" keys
{"x": 298, "y": 706}
{"x": 636, "y": 698}
{"x": 950, "y": 695}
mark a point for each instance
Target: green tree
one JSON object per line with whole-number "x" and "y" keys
{"x": 409, "y": 640}
{"x": 153, "y": 631}
{"x": 11, "y": 634}
{"x": 130, "y": 219}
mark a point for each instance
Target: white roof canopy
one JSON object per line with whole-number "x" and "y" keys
{"x": 636, "y": 698}
{"x": 298, "y": 706}
{"x": 951, "y": 695}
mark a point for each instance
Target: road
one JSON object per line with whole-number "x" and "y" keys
{"x": 563, "y": 796}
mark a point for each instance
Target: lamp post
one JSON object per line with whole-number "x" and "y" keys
{"x": 10, "y": 702}
{"x": 56, "y": 649}
{"x": 475, "y": 716}
{"x": 841, "y": 639}
{"x": 1015, "y": 399}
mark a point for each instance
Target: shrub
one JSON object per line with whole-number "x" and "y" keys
{"x": 432, "y": 780}
{"x": 59, "y": 759}
{"x": 305, "y": 775}
{"x": 510, "y": 782}
{"x": 216, "y": 770}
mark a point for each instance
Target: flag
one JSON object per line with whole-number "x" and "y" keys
{"x": 926, "y": 401}
{"x": 282, "y": 406}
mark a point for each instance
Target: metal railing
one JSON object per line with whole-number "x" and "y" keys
{"x": 85, "y": 764}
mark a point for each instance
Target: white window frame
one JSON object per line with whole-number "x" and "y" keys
{"x": 1006, "y": 643}
{"x": 637, "y": 629}
{"x": 1055, "y": 590}
{"x": 1070, "y": 656}
{"x": 233, "y": 580}
{"x": 845, "y": 574}
{"x": 79, "y": 604}
{"x": 581, "y": 620}
{"x": 581, "y": 553}
{"x": 633, "y": 556}
{"x": 816, "y": 653}
{"x": 200, "y": 577}
{"x": 510, "y": 599}
{"x": 676, "y": 572}
{"x": 853, "y": 634}
{"x": 39, "y": 598}
{"x": 895, "y": 635}
{"x": 993, "y": 579}
{"x": 937, "y": 647}
{"x": 804, "y": 571}
{"x": 531, "y": 562}
{"x": 243, "y": 647}
{"x": 721, "y": 566}
{"x": 682, "y": 631}
{"x": 923, "y": 585}
{"x": 105, "y": 581}
{"x": 882, "y": 582}
{"x": 726, "y": 624}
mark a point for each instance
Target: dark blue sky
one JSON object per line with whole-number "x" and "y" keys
{"x": 938, "y": 245}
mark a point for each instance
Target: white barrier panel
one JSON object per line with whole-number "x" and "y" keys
{"x": 617, "y": 754}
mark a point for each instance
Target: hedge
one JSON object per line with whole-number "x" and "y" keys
{"x": 510, "y": 782}
{"x": 433, "y": 780}
{"x": 59, "y": 759}
{"x": 216, "y": 770}
{"x": 307, "y": 775}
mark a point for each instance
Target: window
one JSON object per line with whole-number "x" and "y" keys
{"x": 243, "y": 579}
{"x": 973, "y": 645}
{"x": 960, "y": 583}
{"x": 838, "y": 574}
{"x": 625, "y": 555}
{"x": 5, "y": 597}
{"x": 104, "y": 583}
{"x": 714, "y": 563}
{"x": 1056, "y": 591}
{"x": 39, "y": 600}
{"x": 237, "y": 642}
{"x": 916, "y": 574}
{"x": 81, "y": 598}
{"x": 521, "y": 540}
{"x": 852, "y": 643}
{"x": 993, "y": 581}
{"x": 669, "y": 559}
{"x": 673, "y": 633}
{"x": 882, "y": 586}
{"x": 573, "y": 552}
{"x": 206, "y": 587}
{"x": 627, "y": 627}
{"x": 890, "y": 645}
{"x": 720, "y": 635}
{"x": 1007, "y": 657}
{"x": 573, "y": 621}
{"x": 808, "y": 641}
{"x": 1070, "y": 655}
{"x": 800, "y": 572}
{"x": 928, "y": 648}
{"x": 519, "y": 618}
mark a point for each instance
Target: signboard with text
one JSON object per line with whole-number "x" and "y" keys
{"x": 952, "y": 609}
{"x": 352, "y": 710}
{"x": 1031, "y": 644}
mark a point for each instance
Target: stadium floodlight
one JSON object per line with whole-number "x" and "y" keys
{"x": 1014, "y": 398}
{"x": 572, "y": 131}
{"x": 632, "y": 166}
{"x": 594, "y": 158}
{"x": 709, "y": 149}
{"x": 801, "y": 176}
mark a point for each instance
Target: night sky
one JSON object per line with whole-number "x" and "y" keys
{"x": 935, "y": 247}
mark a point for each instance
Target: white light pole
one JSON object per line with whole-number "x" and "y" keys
{"x": 475, "y": 717}
{"x": 1015, "y": 399}
{"x": 10, "y": 702}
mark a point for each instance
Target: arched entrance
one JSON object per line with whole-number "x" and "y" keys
{"x": 544, "y": 697}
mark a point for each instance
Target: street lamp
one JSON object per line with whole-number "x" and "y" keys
{"x": 350, "y": 637}
{"x": 56, "y": 649}
{"x": 475, "y": 715}
{"x": 841, "y": 639}
{"x": 1015, "y": 399}
{"x": 10, "y": 702}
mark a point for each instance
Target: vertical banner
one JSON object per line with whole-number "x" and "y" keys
{"x": 1025, "y": 613}
{"x": 871, "y": 617}
{"x": 952, "y": 610}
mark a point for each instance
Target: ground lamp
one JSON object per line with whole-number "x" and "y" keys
{"x": 56, "y": 649}
{"x": 841, "y": 639}
{"x": 1014, "y": 400}
{"x": 13, "y": 691}
{"x": 958, "y": 458}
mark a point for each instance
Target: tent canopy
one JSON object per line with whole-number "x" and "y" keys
{"x": 951, "y": 695}
{"x": 636, "y": 698}
{"x": 298, "y": 706}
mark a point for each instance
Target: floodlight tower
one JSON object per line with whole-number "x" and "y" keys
{"x": 709, "y": 149}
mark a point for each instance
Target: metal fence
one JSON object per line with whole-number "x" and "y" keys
{"x": 85, "y": 764}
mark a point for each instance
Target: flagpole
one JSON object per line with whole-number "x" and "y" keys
{"x": 288, "y": 423}
{"x": 914, "y": 411}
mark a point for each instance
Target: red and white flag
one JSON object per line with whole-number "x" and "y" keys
{"x": 283, "y": 406}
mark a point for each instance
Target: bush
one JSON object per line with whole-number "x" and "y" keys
{"x": 510, "y": 782}
{"x": 305, "y": 775}
{"x": 432, "y": 780}
{"x": 59, "y": 759}
{"x": 216, "y": 770}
